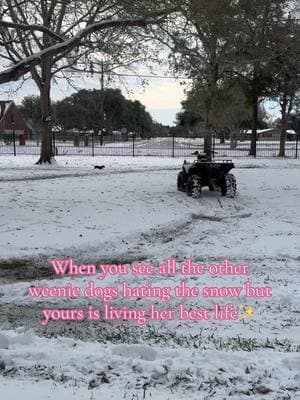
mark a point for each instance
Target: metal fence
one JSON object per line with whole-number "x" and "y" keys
{"x": 90, "y": 145}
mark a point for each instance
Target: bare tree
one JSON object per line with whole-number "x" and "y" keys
{"x": 286, "y": 71}
{"x": 201, "y": 41}
{"x": 217, "y": 39}
{"x": 230, "y": 109}
{"x": 52, "y": 37}
{"x": 256, "y": 48}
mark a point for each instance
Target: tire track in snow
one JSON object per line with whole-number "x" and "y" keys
{"x": 83, "y": 174}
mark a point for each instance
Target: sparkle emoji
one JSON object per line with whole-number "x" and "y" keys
{"x": 246, "y": 312}
{"x": 250, "y": 311}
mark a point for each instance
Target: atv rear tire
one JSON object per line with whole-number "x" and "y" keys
{"x": 181, "y": 182}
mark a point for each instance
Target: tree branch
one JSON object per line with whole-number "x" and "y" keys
{"x": 25, "y": 66}
{"x": 32, "y": 28}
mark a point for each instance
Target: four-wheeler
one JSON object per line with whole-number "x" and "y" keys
{"x": 204, "y": 172}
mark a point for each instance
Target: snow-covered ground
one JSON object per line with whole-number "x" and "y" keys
{"x": 131, "y": 211}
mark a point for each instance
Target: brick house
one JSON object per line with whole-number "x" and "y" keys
{"x": 11, "y": 122}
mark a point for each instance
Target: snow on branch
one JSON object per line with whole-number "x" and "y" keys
{"x": 33, "y": 28}
{"x": 22, "y": 67}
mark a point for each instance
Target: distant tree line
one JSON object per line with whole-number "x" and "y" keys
{"x": 82, "y": 111}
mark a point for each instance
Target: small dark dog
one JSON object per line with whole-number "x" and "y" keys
{"x": 99, "y": 166}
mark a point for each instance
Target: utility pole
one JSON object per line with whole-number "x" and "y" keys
{"x": 102, "y": 103}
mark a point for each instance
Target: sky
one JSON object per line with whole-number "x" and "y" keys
{"x": 162, "y": 98}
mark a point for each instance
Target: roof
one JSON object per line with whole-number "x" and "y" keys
{"x": 261, "y": 130}
{"x": 4, "y": 106}
{"x": 289, "y": 131}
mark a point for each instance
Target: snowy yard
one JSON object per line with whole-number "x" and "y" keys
{"x": 131, "y": 212}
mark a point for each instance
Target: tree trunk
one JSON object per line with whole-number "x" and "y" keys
{"x": 255, "y": 85}
{"x": 233, "y": 138}
{"x": 211, "y": 90}
{"x": 222, "y": 137}
{"x": 207, "y": 126}
{"x": 254, "y": 125}
{"x": 284, "y": 125}
{"x": 46, "y": 131}
{"x": 208, "y": 141}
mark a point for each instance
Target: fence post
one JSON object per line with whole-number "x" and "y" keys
{"x": 14, "y": 140}
{"x": 297, "y": 140}
{"x": 173, "y": 147}
{"x": 54, "y": 152}
{"x": 93, "y": 145}
{"x": 133, "y": 140}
